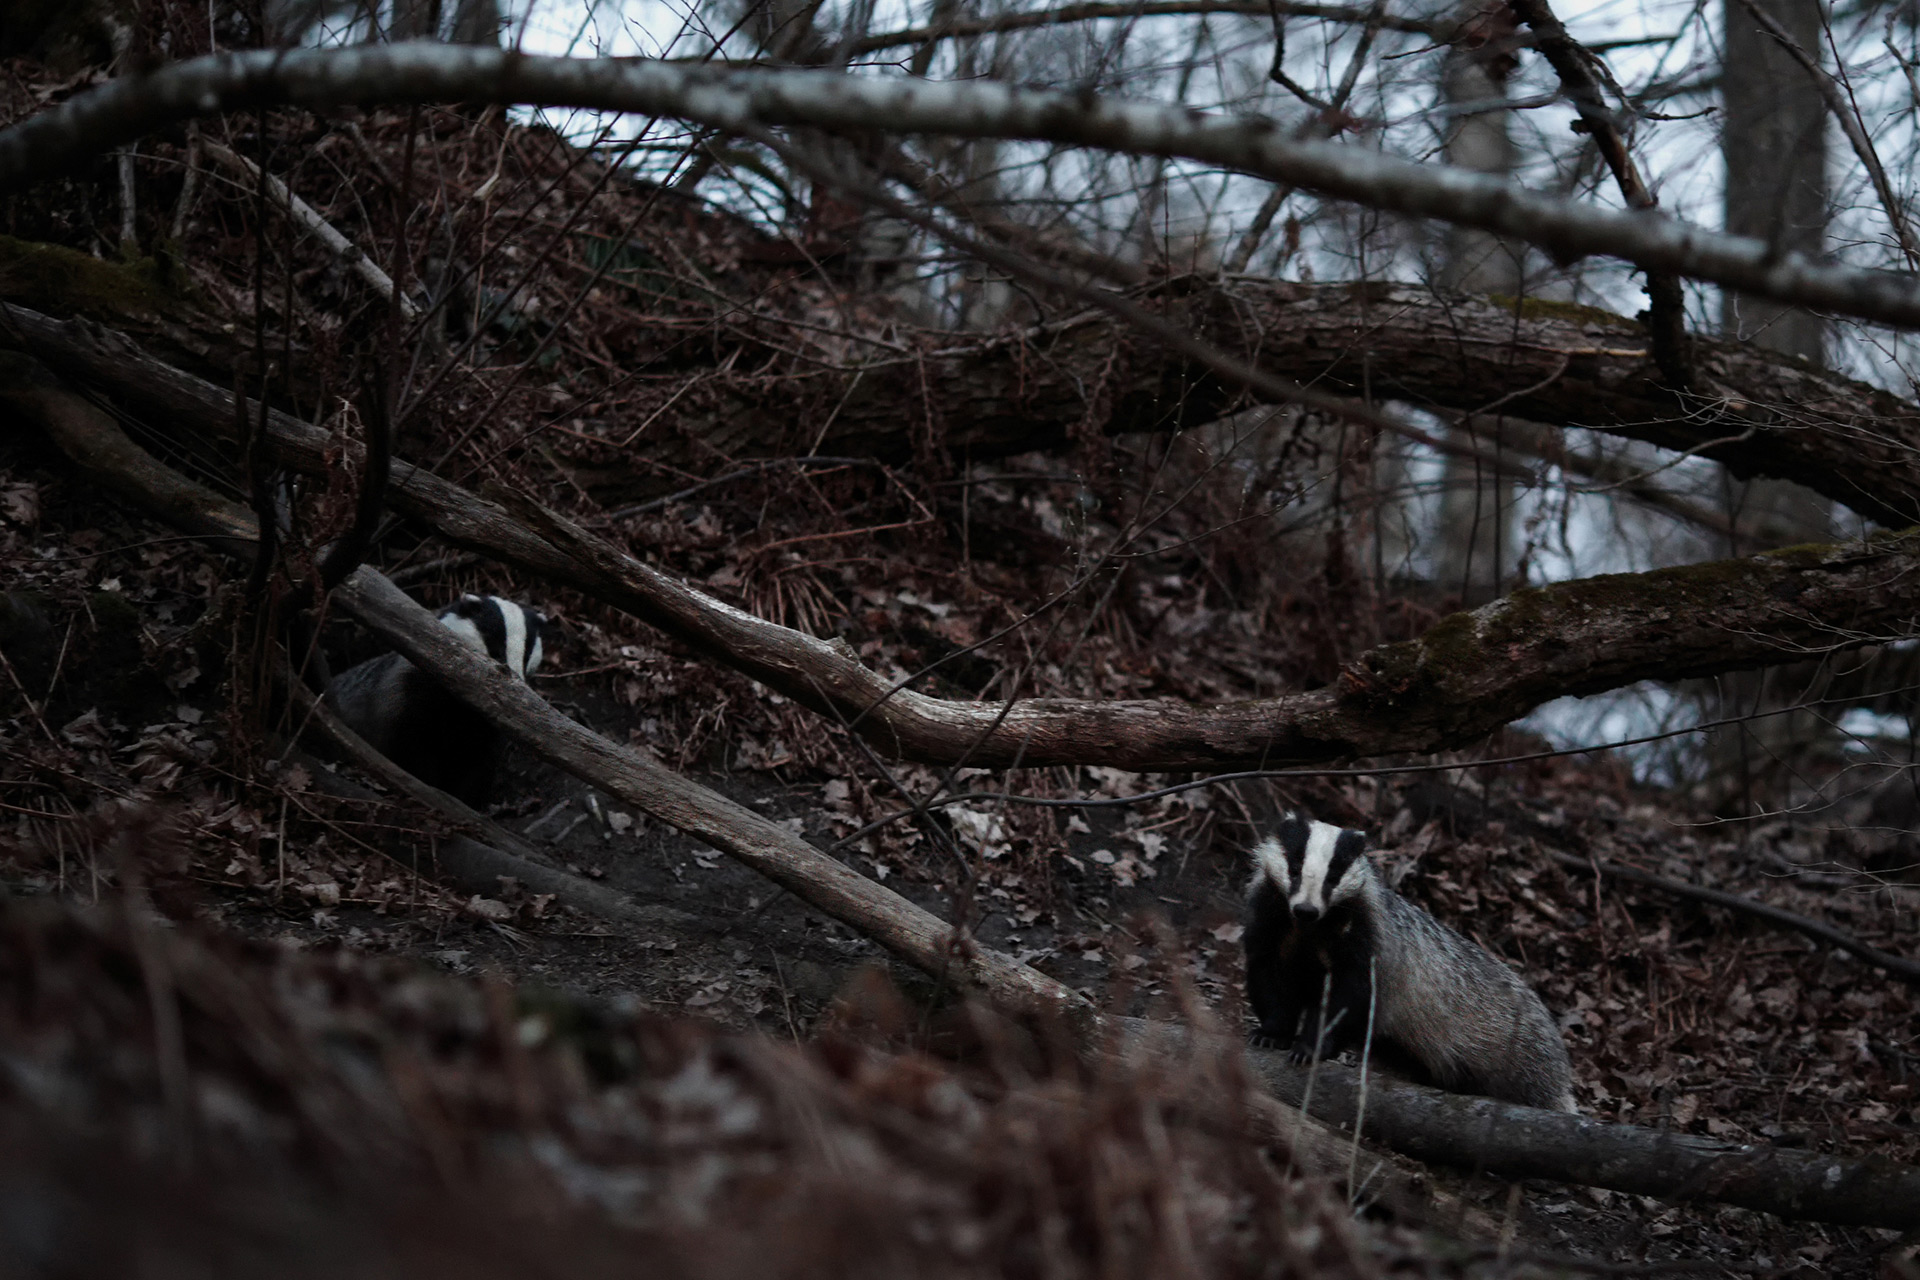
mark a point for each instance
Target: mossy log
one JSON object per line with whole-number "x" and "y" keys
{"x": 149, "y": 300}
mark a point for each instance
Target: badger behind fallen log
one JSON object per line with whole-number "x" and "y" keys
{"x": 404, "y": 714}
{"x": 1322, "y": 921}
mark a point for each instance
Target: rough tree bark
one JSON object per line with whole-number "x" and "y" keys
{"x": 1757, "y": 412}
{"x": 1774, "y": 143}
{"x": 1472, "y": 547}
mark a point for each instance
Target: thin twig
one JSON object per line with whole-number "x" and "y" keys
{"x": 28, "y": 698}
{"x": 189, "y": 186}
{"x": 753, "y": 469}
{"x": 1018, "y": 21}
{"x": 129, "y": 224}
{"x": 1325, "y": 124}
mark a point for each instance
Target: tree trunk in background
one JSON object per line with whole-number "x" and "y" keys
{"x": 477, "y": 22}
{"x": 1473, "y": 550}
{"x": 1774, "y": 143}
{"x": 414, "y": 20}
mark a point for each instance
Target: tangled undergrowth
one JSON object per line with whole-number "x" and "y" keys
{"x": 652, "y": 367}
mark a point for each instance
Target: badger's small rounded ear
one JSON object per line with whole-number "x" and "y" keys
{"x": 467, "y": 597}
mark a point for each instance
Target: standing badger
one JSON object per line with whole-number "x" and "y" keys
{"x": 406, "y": 716}
{"x": 1320, "y": 919}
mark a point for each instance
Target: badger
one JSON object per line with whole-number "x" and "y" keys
{"x": 1322, "y": 921}
{"x": 406, "y": 716}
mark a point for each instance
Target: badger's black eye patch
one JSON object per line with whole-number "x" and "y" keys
{"x": 1292, "y": 835}
{"x": 1350, "y": 846}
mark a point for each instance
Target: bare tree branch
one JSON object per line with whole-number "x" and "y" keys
{"x": 915, "y": 935}
{"x": 130, "y": 107}
{"x": 1326, "y": 124}
{"x": 1543, "y": 442}
{"x": 1468, "y": 675}
{"x": 1898, "y": 966}
{"x": 309, "y": 219}
{"x": 1066, "y": 14}
{"x": 370, "y": 500}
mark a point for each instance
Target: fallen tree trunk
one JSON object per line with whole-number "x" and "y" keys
{"x": 1468, "y": 675}
{"x": 1522, "y": 1142}
{"x": 1757, "y": 412}
{"x": 915, "y": 935}
{"x": 102, "y": 452}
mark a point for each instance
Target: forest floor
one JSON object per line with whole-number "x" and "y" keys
{"x": 1677, "y": 1015}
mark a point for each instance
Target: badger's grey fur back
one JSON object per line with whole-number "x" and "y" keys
{"x": 1321, "y": 920}
{"x": 405, "y": 715}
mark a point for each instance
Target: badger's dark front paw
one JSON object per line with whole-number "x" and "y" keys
{"x": 1261, "y": 1040}
{"x": 1301, "y": 1054}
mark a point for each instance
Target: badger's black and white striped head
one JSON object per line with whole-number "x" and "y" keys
{"x": 1316, "y": 866}
{"x": 501, "y": 629}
